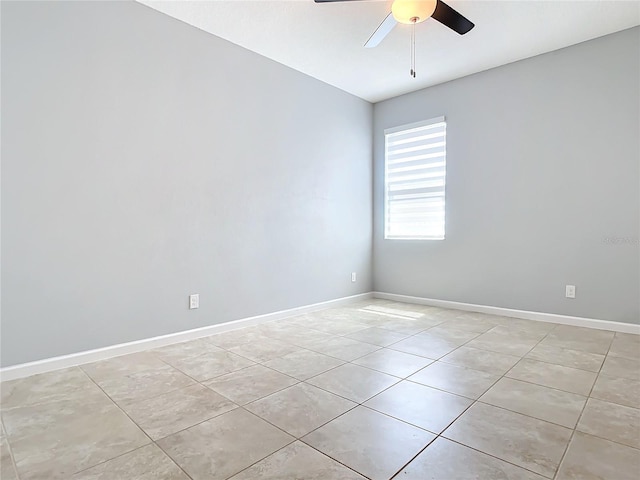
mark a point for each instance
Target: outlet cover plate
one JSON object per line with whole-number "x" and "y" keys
{"x": 570, "y": 291}
{"x": 194, "y": 301}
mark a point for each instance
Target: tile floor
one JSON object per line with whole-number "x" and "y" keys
{"x": 377, "y": 390}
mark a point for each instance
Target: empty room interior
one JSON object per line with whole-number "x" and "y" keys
{"x": 320, "y": 240}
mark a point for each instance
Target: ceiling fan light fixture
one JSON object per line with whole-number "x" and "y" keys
{"x": 413, "y": 11}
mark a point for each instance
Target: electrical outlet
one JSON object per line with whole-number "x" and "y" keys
{"x": 570, "y": 291}
{"x": 353, "y": 276}
{"x": 194, "y": 301}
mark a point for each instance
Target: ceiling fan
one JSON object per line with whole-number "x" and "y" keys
{"x": 412, "y": 12}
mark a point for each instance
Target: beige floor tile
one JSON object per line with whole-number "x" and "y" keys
{"x": 439, "y": 312}
{"x": 33, "y": 420}
{"x": 377, "y": 336}
{"x": 139, "y": 385}
{"x": 299, "y": 335}
{"x": 304, "y": 364}
{"x": 339, "y": 327}
{"x": 373, "y": 319}
{"x": 611, "y": 421}
{"x": 625, "y": 345}
{"x": 502, "y": 342}
{"x": 264, "y": 350}
{"x": 224, "y": 446}
{"x": 7, "y": 470}
{"x": 338, "y": 316}
{"x": 169, "y": 413}
{"x": 395, "y": 363}
{"x": 281, "y": 329}
{"x": 490, "y": 362}
{"x": 471, "y": 324}
{"x": 67, "y": 384}
{"x": 448, "y": 332}
{"x": 579, "y": 338}
{"x": 300, "y": 409}
{"x": 397, "y": 309}
{"x": 531, "y": 328}
{"x": 527, "y": 442}
{"x": 567, "y": 358}
{"x": 367, "y": 318}
{"x": 249, "y": 384}
{"x": 592, "y": 458}
{"x": 210, "y": 365}
{"x": 353, "y": 382}
{"x": 371, "y": 443}
{"x": 374, "y": 302}
{"x": 424, "y": 407}
{"x": 192, "y": 348}
{"x": 544, "y": 403}
{"x": 305, "y": 341}
{"x": 237, "y": 337}
{"x": 124, "y": 365}
{"x": 342, "y": 314}
{"x": 447, "y": 460}
{"x": 555, "y": 376}
{"x": 452, "y": 378}
{"x": 482, "y": 317}
{"x": 303, "y": 320}
{"x": 530, "y": 331}
{"x": 343, "y": 348}
{"x": 617, "y": 390}
{"x": 477, "y": 316}
{"x": 146, "y": 463}
{"x": 621, "y": 367}
{"x": 295, "y": 462}
{"x": 408, "y": 326}
{"x": 426, "y": 345}
{"x": 429, "y": 321}
{"x": 56, "y": 445}
{"x": 325, "y": 316}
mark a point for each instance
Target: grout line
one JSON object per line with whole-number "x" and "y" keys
{"x": 11, "y": 456}
{"x": 467, "y": 409}
{"x": 356, "y": 405}
{"x": 129, "y": 452}
{"x": 117, "y": 406}
{"x": 299, "y": 439}
{"x": 566, "y": 449}
{"x": 151, "y": 441}
{"x": 306, "y": 445}
{"x": 493, "y": 456}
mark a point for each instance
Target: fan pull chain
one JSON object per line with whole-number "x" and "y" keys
{"x": 413, "y": 47}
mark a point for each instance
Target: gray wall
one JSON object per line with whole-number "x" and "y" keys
{"x": 144, "y": 160}
{"x": 542, "y": 172}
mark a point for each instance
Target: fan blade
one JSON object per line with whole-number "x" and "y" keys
{"x": 382, "y": 31}
{"x": 452, "y": 19}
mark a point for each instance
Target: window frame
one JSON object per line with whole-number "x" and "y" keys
{"x": 401, "y": 128}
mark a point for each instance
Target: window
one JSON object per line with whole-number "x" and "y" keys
{"x": 414, "y": 181}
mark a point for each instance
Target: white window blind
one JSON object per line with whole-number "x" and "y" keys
{"x": 415, "y": 168}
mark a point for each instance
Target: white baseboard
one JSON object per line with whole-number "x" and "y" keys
{"x": 524, "y": 314}
{"x": 55, "y": 363}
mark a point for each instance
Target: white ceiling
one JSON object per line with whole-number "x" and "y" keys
{"x": 326, "y": 40}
